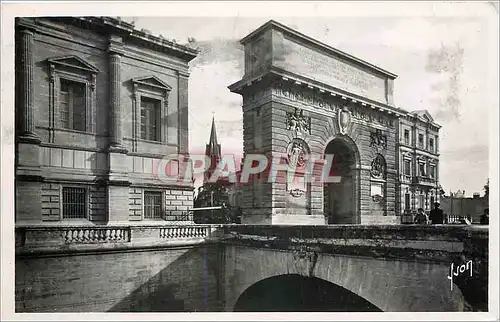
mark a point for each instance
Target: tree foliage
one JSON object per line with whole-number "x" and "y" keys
{"x": 213, "y": 194}
{"x": 487, "y": 188}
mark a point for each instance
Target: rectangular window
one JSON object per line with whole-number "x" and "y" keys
{"x": 153, "y": 205}
{"x": 72, "y": 105}
{"x": 407, "y": 201}
{"x": 407, "y": 168}
{"x": 150, "y": 119}
{"x": 407, "y": 136}
{"x": 431, "y": 144}
{"x": 74, "y": 203}
{"x": 421, "y": 201}
{"x": 420, "y": 140}
{"x": 432, "y": 171}
{"x": 422, "y": 169}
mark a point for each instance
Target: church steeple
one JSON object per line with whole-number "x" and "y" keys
{"x": 213, "y": 151}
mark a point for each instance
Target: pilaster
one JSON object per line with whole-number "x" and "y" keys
{"x": 183, "y": 135}
{"x": 118, "y": 183}
{"x": 116, "y": 139}
{"x": 27, "y": 96}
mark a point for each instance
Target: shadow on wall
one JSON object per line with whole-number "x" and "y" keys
{"x": 297, "y": 293}
{"x": 169, "y": 280}
{"x": 191, "y": 283}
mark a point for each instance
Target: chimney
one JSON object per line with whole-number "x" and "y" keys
{"x": 475, "y": 195}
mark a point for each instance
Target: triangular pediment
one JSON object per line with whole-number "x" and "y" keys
{"x": 73, "y": 62}
{"x": 152, "y": 81}
{"x": 425, "y": 116}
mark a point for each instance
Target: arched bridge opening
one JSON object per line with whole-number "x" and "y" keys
{"x": 297, "y": 293}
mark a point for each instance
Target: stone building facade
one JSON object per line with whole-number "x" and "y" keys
{"x": 98, "y": 105}
{"x": 418, "y": 161}
{"x": 302, "y": 97}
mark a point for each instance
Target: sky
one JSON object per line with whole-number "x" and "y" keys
{"x": 441, "y": 63}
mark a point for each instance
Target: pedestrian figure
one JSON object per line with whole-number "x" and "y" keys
{"x": 485, "y": 217}
{"x": 420, "y": 218}
{"x": 436, "y": 215}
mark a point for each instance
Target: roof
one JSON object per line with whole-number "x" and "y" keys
{"x": 276, "y": 25}
{"x": 189, "y": 52}
{"x": 424, "y": 116}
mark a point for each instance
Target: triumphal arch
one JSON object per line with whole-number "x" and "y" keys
{"x": 303, "y": 98}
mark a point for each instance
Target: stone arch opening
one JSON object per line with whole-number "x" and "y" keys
{"x": 297, "y": 293}
{"x": 340, "y": 198}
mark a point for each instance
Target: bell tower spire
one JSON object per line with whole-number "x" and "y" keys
{"x": 212, "y": 150}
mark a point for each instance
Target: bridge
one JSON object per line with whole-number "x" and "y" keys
{"x": 193, "y": 268}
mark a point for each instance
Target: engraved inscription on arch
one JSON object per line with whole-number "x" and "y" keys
{"x": 331, "y": 71}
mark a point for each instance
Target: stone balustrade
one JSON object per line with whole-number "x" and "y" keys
{"x": 67, "y": 238}
{"x": 95, "y": 235}
{"x": 184, "y": 232}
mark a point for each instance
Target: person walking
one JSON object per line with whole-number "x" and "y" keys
{"x": 436, "y": 215}
{"x": 420, "y": 218}
{"x": 485, "y": 217}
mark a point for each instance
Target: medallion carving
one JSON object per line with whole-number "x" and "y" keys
{"x": 298, "y": 123}
{"x": 378, "y": 167}
{"x": 297, "y": 153}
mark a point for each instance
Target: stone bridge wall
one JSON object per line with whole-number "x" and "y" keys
{"x": 395, "y": 268}
{"x": 120, "y": 268}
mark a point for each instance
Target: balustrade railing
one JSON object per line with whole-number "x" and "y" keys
{"x": 184, "y": 232}
{"x": 96, "y": 235}
{"x": 102, "y": 236}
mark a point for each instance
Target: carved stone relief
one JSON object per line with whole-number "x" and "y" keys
{"x": 326, "y": 102}
{"x": 378, "y": 139}
{"x": 297, "y": 153}
{"x": 378, "y": 167}
{"x": 304, "y": 95}
{"x": 298, "y": 123}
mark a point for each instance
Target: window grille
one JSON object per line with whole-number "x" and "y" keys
{"x": 153, "y": 205}
{"x": 74, "y": 203}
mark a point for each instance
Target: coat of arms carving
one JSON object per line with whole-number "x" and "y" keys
{"x": 344, "y": 118}
{"x": 298, "y": 123}
{"x": 378, "y": 139}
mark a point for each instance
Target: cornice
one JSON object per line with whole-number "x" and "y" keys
{"x": 116, "y": 27}
{"x": 284, "y": 76}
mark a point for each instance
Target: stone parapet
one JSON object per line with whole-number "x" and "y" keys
{"x": 40, "y": 240}
{"x": 414, "y": 242}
